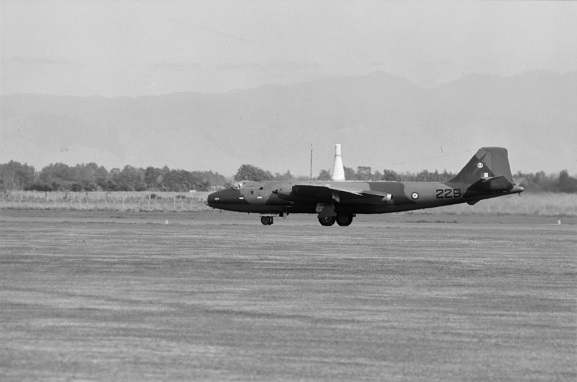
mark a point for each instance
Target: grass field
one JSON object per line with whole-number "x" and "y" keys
{"x": 109, "y": 295}
{"x": 543, "y": 204}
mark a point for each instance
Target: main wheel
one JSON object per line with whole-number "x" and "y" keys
{"x": 344, "y": 219}
{"x": 327, "y": 221}
{"x": 266, "y": 220}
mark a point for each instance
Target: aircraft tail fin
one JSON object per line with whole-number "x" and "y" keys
{"x": 488, "y": 170}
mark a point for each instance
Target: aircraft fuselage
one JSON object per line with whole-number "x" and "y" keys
{"x": 276, "y": 198}
{"x": 487, "y": 175}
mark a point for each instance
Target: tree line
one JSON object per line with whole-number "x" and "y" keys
{"x": 91, "y": 177}
{"x": 363, "y": 173}
{"x": 535, "y": 182}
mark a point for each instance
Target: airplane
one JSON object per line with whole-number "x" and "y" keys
{"x": 487, "y": 175}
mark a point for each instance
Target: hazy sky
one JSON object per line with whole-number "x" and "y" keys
{"x": 124, "y": 47}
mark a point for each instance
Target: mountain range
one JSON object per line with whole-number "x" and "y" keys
{"x": 381, "y": 120}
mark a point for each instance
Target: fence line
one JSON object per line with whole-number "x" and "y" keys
{"x": 121, "y": 201}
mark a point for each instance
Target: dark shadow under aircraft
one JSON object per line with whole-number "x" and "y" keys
{"x": 487, "y": 175}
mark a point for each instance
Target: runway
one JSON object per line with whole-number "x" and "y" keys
{"x": 209, "y": 296}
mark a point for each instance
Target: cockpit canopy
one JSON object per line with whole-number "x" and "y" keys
{"x": 243, "y": 184}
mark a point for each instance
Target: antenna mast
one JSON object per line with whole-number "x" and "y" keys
{"x": 311, "y": 168}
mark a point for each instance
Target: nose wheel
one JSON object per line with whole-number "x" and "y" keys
{"x": 266, "y": 220}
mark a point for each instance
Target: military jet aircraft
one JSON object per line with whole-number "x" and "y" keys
{"x": 487, "y": 175}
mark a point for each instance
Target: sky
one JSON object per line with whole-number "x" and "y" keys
{"x": 148, "y": 47}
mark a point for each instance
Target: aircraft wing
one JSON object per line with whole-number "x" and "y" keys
{"x": 329, "y": 192}
{"x": 375, "y": 193}
{"x": 325, "y": 192}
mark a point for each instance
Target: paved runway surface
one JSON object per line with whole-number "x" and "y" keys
{"x": 208, "y": 296}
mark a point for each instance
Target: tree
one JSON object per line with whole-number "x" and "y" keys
{"x": 350, "y": 174}
{"x": 376, "y": 176}
{"x": 250, "y": 172}
{"x": 324, "y": 175}
{"x": 287, "y": 176}
{"x": 566, "y": 182}
{"x": 85, "y": 177}
{"x": 390, "y": 175}
{"x": 364, "y": 173}
{"x": 101, "y": 176}
{"x": 423, "y": 176}
{"x": 58, "y": 175}
{"x": 130, "y": 179}
{"x": 153, "y": 178}
{"x": 16, "y": 176}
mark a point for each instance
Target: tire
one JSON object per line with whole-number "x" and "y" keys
{"x": 327, "y": 221}
{"x": 344, "y": 219}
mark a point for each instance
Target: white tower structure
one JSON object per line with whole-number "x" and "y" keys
{"x": 338, "y": 169}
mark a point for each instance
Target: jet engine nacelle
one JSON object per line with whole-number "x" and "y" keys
{"x": 283, "y": 194}
{"x": 388, "y": 198}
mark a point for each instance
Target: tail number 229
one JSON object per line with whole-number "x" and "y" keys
{"x": 448, "y": 193}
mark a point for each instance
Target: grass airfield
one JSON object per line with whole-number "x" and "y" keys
{"x": 112, "y": 295}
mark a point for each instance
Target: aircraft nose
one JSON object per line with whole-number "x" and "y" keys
{"x": 221, "y": 197}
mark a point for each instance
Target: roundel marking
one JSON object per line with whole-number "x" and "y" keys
{"x": 480, "y": 165}
{"x": 414, "y": 195}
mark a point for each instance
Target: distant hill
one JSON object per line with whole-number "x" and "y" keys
{"x": 381, "y": 120}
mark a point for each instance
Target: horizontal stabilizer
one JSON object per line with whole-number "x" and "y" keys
{"x": 494, "y": 184}
{"x": 519, "y": 181}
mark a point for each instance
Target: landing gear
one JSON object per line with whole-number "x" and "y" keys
{"x": 266, "y": 220}
{"x": 327, "y": 221}
{"x": 344, "y": 219}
